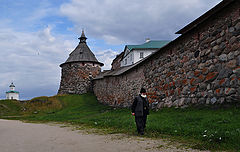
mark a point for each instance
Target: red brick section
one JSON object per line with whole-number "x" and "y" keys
{"x": 228, "y": 90}
{"x": 159, "y": 88}
{"x": 193, "y": 81}
{"x": 169, "y": 74}
{"x": 179, "y": 91}
{"x": 197, "y": 73}
{"x": 238, "y": 68}
{"x": 204, "y": 70}
{"x": 171, "y": 92}
{"x": 217, "y": 91}
{"x": 150, "y": 100}
{"x": 211, "y": 76}
{"x": 201, "y": 77}
{"x": 151, "y": 93}
{"x": 165, "y": 87}
{"x": 166, "y": 92}
{"x": 185, "y": 59}
{"x": 221, "y": 81}
{"x": 193, "y": 89}
{"x": 185, "y": 81}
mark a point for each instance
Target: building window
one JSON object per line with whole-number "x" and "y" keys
{"x": 125, "y": 61}
{"x": 131, "y": 57}
{"x": 141, "y": 55}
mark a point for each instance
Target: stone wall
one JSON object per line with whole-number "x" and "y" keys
{"x": 76, "y": 77}
{"x": 119, "y": 90}
{"x": 201, "y": 66}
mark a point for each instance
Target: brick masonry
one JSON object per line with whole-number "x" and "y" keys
{"x": 201, "y": 66}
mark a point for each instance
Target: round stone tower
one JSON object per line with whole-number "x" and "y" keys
{"x": 79, "y": 69}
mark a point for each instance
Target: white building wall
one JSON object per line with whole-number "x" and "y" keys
{"x": 128, "y": 60}
{"x": 11, "y": 96}
{"x": 145, "y": 54}
{"x": 134, "y": 56}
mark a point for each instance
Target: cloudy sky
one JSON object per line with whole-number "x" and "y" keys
{"x": 36, "y": 36}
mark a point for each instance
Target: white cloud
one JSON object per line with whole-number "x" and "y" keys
{"x": 46, "y": 34}
{"x": 31, "y": 60}
{"x": 106, "y": 57}
{"x": 112, "y": 39}
{"x": 31, "y": 57}
{"x": 125, "y": 21}
{"x": 38, "y": 14}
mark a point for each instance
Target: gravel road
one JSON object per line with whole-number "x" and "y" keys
{"x": 16, "y": 136}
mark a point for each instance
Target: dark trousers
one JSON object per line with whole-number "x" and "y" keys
{"x": 141, "y": 123}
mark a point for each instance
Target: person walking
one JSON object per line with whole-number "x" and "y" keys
{"x": 140, "y": 109}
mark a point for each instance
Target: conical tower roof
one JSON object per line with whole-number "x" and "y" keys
{"x": 82, "y": 53}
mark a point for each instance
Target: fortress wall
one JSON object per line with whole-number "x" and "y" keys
{"x": 201, "y": 66}
{"x": 119, "y": 90}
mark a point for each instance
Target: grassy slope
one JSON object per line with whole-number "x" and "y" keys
{"x": 9, "y": 107}
{"x": 204, "y": 128}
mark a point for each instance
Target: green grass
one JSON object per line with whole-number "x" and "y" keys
{"x": 202, "y": 128}
{"x": 216, "y": 129}
{"x": 9, "y": 107}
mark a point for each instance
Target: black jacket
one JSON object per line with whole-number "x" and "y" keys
{"x": 140, "y": 106}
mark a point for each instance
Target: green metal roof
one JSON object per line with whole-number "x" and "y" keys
{"x": 12, "y": 92}
{"x": 148, "y": 45}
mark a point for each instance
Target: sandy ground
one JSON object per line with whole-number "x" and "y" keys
{"x": 16, "y": 136}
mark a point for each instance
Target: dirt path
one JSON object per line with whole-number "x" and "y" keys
{"x": 16, "y": 136}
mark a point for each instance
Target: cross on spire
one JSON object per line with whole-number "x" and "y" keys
{"x": 83, "y": 38}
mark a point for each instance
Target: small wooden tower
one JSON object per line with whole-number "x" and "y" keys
{"x": 79, "y": 69}
{"x": 12, "y": 94}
